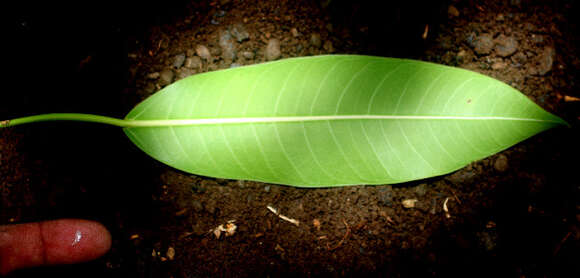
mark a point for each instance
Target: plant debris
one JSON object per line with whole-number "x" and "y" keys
{"x": 344, "y": 238}
{"x": 283, "y": 217}
{"x": 170, "y": 254}
{"x": 445, "y": 209}
{"x": 229, "y": 229}
{"x": 316, "y": 224}
{"x": 409, "y": 203}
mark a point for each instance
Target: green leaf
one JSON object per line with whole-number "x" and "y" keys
{"x": 333, "y": 120}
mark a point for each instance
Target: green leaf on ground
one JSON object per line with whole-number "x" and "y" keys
{"x": 333, "y": 120}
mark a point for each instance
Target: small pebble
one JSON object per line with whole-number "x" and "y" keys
{"x": 421, "y": 189}
{"x": 166, "y": 77}
{"x": 462, "y": 176}
{"x": 294, "y": 32}
{"x": 498, "y": 65}
{"x": 197, "y": 206}
{"x": 273, "y": 50}
{"x": 299, "y": 48}
{"x": 267, "y": 188}
{"x": 227, "y": 45}
{"x": 433, "y": 206}
{"x": 499, "y": 17}
{"x": 537, "y": 38}
{"x": 248, "y": 55}
{"x": 386, "y": 195}
{"x": 461, "y": 56}
{"x": 178, "y": 60}
{"x": 220, "y": 13}
{"x": 501, "y": 163}
{"x": 483, "y": 44}
{"x": 329, "y": 27}
{"x": 515, "y": 2}
{"x": 239, "y": 32}
{"x": 315, "y": 40}
{"x": 150, "y": 88}
{"x": 203, "y": 52}
{"x": 249, "y": 198}
{"x": 545, "y": 61}
{"x": 328, "y": 46}
{"x": 153, "y": 75}
{"x": 409, "y": 203}
{"x": 210, "y": 206}
{"x": 193, "y": 62}
{"x": 506, "y": 46}
{"x": 183, "y": 73}
{"x": 520, "y": 58}
{"x": 170, "y": 254}
{"x": 452, "y": 11}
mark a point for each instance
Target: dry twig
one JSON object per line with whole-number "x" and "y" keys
{"x": 557, "y": 249}
{"x": 447, "y": 214}
{"x": 283, "y": 217}
{"x": 342, "y": 240}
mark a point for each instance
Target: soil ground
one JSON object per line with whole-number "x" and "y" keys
{"x": 514, "y": 214}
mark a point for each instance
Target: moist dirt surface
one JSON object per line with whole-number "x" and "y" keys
{"x": 514, "y": 214}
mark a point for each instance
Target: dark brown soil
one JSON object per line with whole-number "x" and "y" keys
{"x": 515, "y": 214}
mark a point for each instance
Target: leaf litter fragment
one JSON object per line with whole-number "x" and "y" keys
{"x": 445, "y": 209}
{"x": 229, "y": 229}
{"x": 283, "y": 217}
{"x": 409, "y": 203}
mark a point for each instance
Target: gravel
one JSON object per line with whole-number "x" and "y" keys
{"x": 498, "y": 65}
{"x": 185, "y": 72}
{"x": 166, "y": 77}
{"x": 386, "y": 195}
{"x": 239, "y": 32}
{"x": 203, "y": 52}
{"x": 421, "y": 189}
{"x": 545, "y": 61}
{"x": 248, "y": 55}
{"x": 193, "y": 62}
{"x": 273, "y": 50}
{"x": 520, "y": 58}
{"x": 197, "y": 205}
{"x": 227, "y": 46}
{"x": 328, "y": 47}
{"x": 153, "y": 75}
{"x": 178, "y": 60}
{"x": 501, "y": 163}
{"x": 315, "y": 40}
{"x": 483, "y": 44}
{"x": 506, "y": 46}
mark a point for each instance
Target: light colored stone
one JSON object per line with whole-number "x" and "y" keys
{"x": 501, "y": 163}
{"x": 273, "y": 50}
{"x": 203, "y": 52}
{"x": 315, "y": 40}
{"x": 166, "y": 77}
{"x": 193, "y": 62}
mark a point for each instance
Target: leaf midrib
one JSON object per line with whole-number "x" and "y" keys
{"x": 282, "y": 119}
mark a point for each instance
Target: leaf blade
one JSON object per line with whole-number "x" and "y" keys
{"x": 334, "y": 120}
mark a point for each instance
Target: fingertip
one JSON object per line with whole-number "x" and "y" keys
{"x": 72, "y": 240}
{"x": 63, "y": 241}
